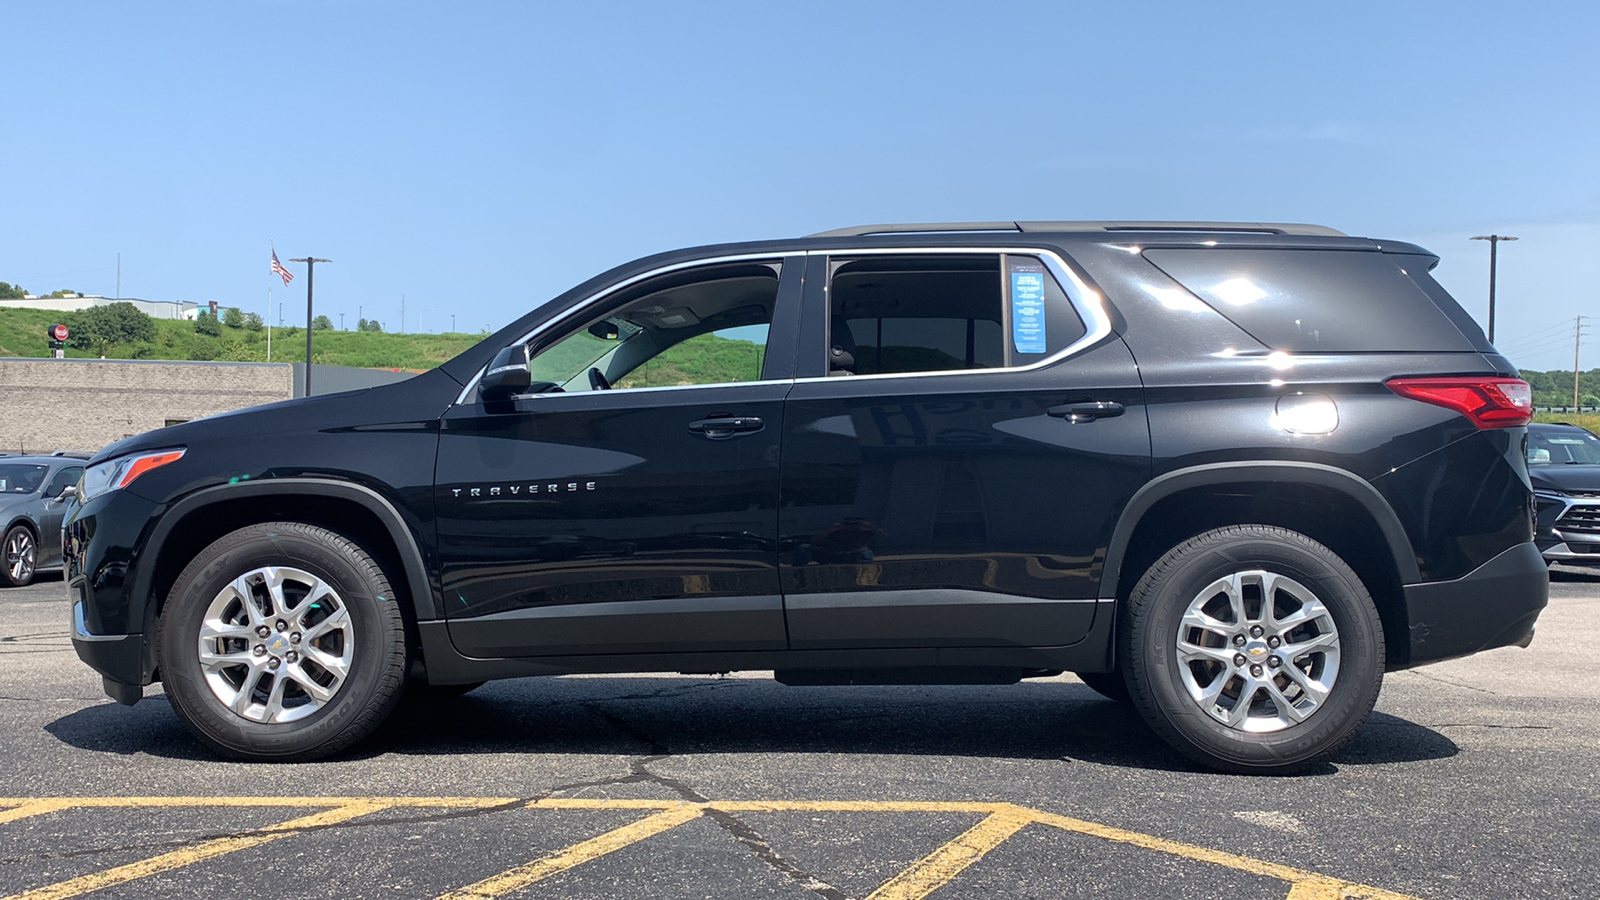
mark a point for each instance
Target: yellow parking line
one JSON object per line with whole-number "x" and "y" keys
{"x": 576, "y": 855}
{"x": 124, "y": 802}
{"x": 936, "y": 869}
{"x": 1304, "y": 885}
{"x": 25, "y": 808}
{"x": 211, "y": 849}
{"x": 1002, "y": 820}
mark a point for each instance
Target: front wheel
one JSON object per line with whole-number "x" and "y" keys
{"x": 282, "y": 641}
{"x": 19, "y": 553}
{"x": 1253, "y": 649}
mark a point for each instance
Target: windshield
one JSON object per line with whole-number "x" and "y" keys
{"x": 1573, "y": 447}
{"x": 19, "y": 478}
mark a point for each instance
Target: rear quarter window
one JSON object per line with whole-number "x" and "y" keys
{"x": 1310, "y": 301}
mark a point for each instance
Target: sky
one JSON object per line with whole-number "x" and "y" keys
{"x": 477, "y": 159}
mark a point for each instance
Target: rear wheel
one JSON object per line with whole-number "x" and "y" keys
{"x": 1253, "y": 649}
{"x": 282, "y": 641}
{"x": 19, "y": 553}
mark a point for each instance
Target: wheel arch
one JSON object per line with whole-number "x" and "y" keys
{"x": 1332, "y": 506}
{"x": 357, "y": 511}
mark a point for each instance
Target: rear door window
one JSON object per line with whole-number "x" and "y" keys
{"x": 945, "y": 313}
{"x": 1311, "y": 301}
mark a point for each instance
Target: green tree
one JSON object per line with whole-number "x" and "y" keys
{"x": 322, "y": 323}
{"x": 57, "y": 295}
{"x": 100, "y": 327}
{"x": 232, "y": 317}
{"x": 252, "y": 322}
{"x": 12, "y": 291}
{"x": 206, "y": 323}
{"x": 369, "y": 325}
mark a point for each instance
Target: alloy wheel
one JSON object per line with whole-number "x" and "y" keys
{"x": 1258, "y": 651}
{"x": 276, "y": 644}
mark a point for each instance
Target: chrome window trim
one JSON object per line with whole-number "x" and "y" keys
{"x": 1086, "y": 301}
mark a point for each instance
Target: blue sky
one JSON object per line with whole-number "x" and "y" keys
{"x": 481, "y": 157}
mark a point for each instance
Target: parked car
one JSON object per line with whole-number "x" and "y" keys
{"x": 34, "y": 493}
{"x": 1564, "y": 466}
{"x": 1232, "y": 472}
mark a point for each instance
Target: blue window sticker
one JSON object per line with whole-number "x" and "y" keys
{"x": 1027, "y": 309}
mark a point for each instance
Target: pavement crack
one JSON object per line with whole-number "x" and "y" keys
{"x": 1494, "y": 725}
{"x": 1457, "y": 684}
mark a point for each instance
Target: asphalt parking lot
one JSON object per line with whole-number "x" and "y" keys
{"x": 1474, "y": 778}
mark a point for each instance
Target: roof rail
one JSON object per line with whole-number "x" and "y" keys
{"x": 1234, "y": 227}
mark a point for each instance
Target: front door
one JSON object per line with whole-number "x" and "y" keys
{"x": 633, "y": 507}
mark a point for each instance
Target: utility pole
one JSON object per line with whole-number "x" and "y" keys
{"x": 341, "y": 321}
{"x": 452, "y": 323}
{"x": 311, "y": 275}
{"x": 1577, "y": 341}
{"x": 1494, "y": 246}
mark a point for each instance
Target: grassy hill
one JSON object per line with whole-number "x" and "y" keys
{"x": 22, "y": 334}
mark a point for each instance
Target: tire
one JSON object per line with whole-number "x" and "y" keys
{"x": 19, "y": 557}
{"x": 1109, "y": 685}
{"x": 1181, "y": 644}
{"x": 329, "y": 667}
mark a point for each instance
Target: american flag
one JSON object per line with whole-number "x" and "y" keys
{"x": 280, "y": 271}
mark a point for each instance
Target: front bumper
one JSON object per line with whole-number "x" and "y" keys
{"x": 119, "y": 658}
{"x": 1494, "y": 605}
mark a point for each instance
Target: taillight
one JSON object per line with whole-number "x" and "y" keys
{"x": 1488, "y": 402}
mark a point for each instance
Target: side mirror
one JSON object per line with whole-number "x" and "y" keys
{"x": 68, "y": 492}
{"x": 507, "y": 376}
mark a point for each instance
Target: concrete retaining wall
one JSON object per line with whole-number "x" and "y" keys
{"x": 84, "y": 404}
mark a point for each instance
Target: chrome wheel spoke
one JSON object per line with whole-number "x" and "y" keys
{"x": 1241, "y": 707}
{"x": 338, "y": 620}
{"x": 1189, "y": 652}
{"x": 1315, "y": 690}
{"x": 1286, "y": 709}
{"x": 1313, "y": 644}
{"x": 313, "y": 690}
{"x": 247, "y": 689}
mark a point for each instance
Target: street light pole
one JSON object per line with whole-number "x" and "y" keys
{"x": 1494, "y": 246}
{"x": 311, "y": 274}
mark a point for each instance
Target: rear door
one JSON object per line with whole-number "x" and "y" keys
{"x": 635, "y": 509}
{"x": 952, "y": 475}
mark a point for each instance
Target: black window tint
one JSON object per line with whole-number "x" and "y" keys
{"x": 61, "y": 479}
{"x": 1418, "y": 269}
{"x": 915, "y": 314}
{"x": 1043, "y": 320}
{"x": 1315, "y": 300}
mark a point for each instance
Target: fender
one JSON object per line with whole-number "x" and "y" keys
{"x": 416, "y": 573}
{"x": 1268, "y": 472}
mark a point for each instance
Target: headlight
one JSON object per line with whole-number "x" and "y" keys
{"x": 116, "y": 474}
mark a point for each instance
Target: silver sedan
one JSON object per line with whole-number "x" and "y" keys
{"x": 34, "y": 493}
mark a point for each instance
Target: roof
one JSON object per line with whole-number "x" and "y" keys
{"x": 1059, "y": 227}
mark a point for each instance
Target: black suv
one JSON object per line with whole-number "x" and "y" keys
{"x": 1230, "y": 473}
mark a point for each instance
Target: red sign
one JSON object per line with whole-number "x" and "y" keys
{"x": 58, "y": 332}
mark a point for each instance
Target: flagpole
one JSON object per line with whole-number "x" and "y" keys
{"x": 271, "y": 248}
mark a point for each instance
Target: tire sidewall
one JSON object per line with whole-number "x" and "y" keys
{"x": 363, "y": 591}
{"x": 5, "y": 562}
{"x": 1165, "y": 595}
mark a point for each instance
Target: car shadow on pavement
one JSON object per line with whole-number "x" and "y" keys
{"x": 1574, "y": 574}
{"x": 628, "y": 716}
